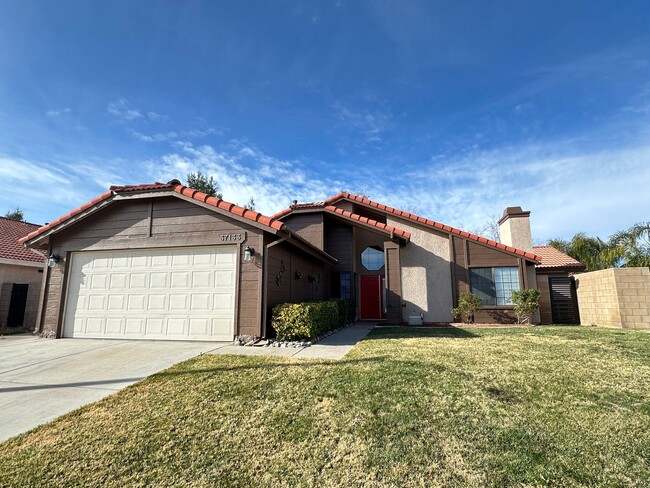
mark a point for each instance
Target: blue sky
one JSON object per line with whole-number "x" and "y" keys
{"x": 456, "y": 109}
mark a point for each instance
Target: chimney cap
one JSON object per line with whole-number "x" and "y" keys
{"x": 513, "y": 212}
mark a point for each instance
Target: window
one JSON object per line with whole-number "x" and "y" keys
{"x": 346, "y": 285}
{"x": 341, "y": 285}
{"x": 372, "y": 258}
{"x": 494, "y": 286}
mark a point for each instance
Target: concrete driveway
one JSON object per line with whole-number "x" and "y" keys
{"x": 41, "y": 379}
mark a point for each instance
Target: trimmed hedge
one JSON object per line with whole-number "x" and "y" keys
{"x": 308, "y": 320}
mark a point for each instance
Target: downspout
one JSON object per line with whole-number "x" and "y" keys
{"x": 265, "y": 268}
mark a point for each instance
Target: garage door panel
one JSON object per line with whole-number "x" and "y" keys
{"x": 117, "y": 303}
{"x": 180, "y": 279}
{"x": 118, "y": 281}
{"x": 134, "y": 326}
{"x": 139, "y": 262}
{"x": 114, "y": 326}
{"x": 138, "y": 280}
{"x": 99, "y": 281}
{"x": 224, "y": 278}
{"x": 186, "y": 293}
{"x": 201, "y": 279}
{"x": 96, "y": 302}
{"x": 95, "y": 325}
{"x": 157, "y": 303}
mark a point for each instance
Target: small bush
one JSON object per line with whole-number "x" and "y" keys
{"x": 468, "y": 304}
{"x": 308, "y": 320}
{"x": 526, "y": 303}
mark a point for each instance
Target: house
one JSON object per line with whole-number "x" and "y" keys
{"x": 163, "y": 261}
{"x": 21, "y": 275}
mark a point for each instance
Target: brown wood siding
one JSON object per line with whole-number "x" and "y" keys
{"x": 284, "y": 264}
{"x": 339, "y": 244}
{"x": 495, "y": 315}
{"x": 308, "y": 226}
{"x": 459, "y": 263}
{"x": 393, "y": 283}
{"x": 175, "y": 223}
{"x": 479, "y": 255}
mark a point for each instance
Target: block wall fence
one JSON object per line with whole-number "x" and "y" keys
{"x": 616, "y": 297}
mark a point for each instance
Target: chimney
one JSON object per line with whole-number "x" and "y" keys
{"x": 514, "y": 229}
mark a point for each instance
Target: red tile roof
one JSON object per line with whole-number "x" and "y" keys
{"x": 553, "y": 258}
{"x": 175, "y": 185}
{"x": 10, "y": 232}
{"x": 410, "y": 216}
{"x": 365, "y": 220}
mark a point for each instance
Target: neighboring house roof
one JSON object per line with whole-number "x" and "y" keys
{"x": 552, "y": 258}
{"x": 10, "y": 249}
{"x": 177, "y": 187}
{"x": 406, "y": 215}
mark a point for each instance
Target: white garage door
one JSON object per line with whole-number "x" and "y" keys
{"x": 179, "y": 293}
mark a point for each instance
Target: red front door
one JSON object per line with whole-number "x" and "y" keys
{"x": 370, "y": 302}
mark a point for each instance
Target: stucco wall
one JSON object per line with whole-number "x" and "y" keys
{"x": 30, "y": 275}
{"x": 618, "y": 297}
{"x": 515, "y": 232}
{"x": 426, "y": 273}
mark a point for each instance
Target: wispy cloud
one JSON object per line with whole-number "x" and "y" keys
{"x": 123, "y": 111}
{"x": 57, "y": 113}
{"x": 158, "y": 137}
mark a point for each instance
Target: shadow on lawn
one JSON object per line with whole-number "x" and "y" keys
{"x": 407, "y": 332}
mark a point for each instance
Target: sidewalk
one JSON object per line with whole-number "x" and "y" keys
{"x": 333, "y": 347}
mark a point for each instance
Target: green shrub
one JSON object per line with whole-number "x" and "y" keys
{"x": 308, "y": 320}
{"x": 346, "y": 311}
{"x": 526, "y": 303}
{"x": 468, "y": 304}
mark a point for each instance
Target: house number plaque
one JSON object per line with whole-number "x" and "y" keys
{"x": 234, "y": 237}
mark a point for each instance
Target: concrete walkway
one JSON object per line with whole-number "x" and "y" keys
{"x": 333, "y": 347}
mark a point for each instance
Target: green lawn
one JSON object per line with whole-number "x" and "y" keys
{"x": 407, "y": 407}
